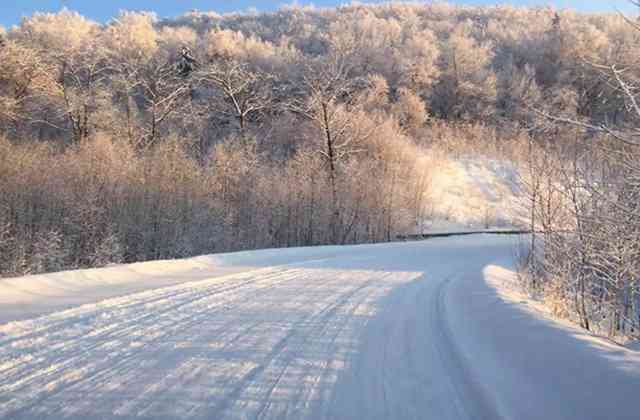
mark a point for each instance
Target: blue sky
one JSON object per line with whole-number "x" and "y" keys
{"x": 101, "y": 10}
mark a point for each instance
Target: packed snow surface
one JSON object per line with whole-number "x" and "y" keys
{"x": 413, "y": 330}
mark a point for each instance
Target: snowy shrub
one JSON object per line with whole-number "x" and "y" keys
{"x": 48, "y": 253}
{"x": 109, "y": 250}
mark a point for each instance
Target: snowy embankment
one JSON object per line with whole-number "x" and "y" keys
{"x": 391, "y": 331}
{"x": 31, "y": 296}
{"x": 471, "y": 194}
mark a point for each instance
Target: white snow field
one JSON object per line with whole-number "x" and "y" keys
{"x": 474, "y": 193}
{"x": 414, "y": 330}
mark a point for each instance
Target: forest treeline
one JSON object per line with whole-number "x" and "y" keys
{"x": 146, "y": 138}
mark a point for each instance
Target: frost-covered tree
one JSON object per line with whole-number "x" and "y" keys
{"x": 466, "y": 88}
{"x": 26, "y": 81}
{"x": 410, "y": 110}
{"x": 237, "y": 92}
{"x": 329, "y": 99}
{"x": 131, "y": 37}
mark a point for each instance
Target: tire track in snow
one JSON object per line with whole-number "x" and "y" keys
{"x": 471, "y": 400}
{"x": 116, "y": 330}
{"x": 69, "y": 363}
{"x": 72, "y": 356}
{"x": 323, "y": 320}
{"x": 59, "y": 321}
{"x": 281, "y": 350}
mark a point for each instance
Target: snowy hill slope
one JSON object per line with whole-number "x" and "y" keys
{"x": 473, "y": 193}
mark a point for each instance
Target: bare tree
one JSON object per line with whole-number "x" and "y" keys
{"x": 83, "y": 76}
{"x": 239, "y": 93}
{"x": 328, "y": 99}
{"x": 158, "y": 91}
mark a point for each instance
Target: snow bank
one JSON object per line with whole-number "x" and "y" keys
{"x": 31, "y": 296}
{"x": 532, "y": 366}
{"x": 505, "y": 282}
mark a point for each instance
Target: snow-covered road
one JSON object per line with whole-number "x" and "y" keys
{"x": 392, "y": 331}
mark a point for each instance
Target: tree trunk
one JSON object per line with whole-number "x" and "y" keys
{"x": 335, "y": 219}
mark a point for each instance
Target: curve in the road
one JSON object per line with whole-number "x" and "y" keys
{"x": 397, "y": 331}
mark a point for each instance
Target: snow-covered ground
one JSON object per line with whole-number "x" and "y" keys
{"x": 473, "y": 193}
{"x": 31, "y": 296}
{"x": 409, "y": 330}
